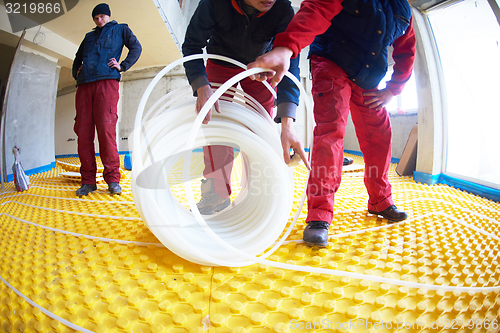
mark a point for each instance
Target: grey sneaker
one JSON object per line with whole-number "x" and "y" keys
{"x": 86, "y": 189}
{"x": 114, "y": 188}
{"x": 210, "y": 202}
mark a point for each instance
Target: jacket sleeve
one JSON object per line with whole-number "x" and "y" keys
{"x": 287, "y": 92}
{"x": 404, "y": 58}
{"x": 198, "y": 34}
{"x": 312, "y": 19}
{"x": 133, "y": 46}
{"x": 78, "y": 61}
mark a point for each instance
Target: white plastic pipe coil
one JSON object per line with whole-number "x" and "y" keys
{"x": 170, "y": 129}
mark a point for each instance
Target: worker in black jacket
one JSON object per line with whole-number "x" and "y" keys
{"x": 241, "y": 30}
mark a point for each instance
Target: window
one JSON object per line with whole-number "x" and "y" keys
{"x": 467, "y": 36}
{"x": 406, "y": 102}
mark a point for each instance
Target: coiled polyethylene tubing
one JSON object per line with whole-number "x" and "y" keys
{"x": 238, "y": 236}
{"x": 171, "y": 130}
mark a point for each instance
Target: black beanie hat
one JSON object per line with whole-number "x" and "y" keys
{"x": 101, "y": 8}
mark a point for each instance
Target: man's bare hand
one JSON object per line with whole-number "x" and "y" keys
{"x": 114, "y": 64}
{"x": 289, "y": 139}
{"x": 277, "y": 60}
{"x": 262, "y": 76}
{"x": 379, "y": 100}
{"x": 204, "y": 93}
{"x": 79, "y": 70}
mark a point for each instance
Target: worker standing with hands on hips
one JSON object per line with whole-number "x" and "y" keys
{"x": 241, "y": 30}
{"x": 97, "y": 73}
{"x": 348, "y": 59}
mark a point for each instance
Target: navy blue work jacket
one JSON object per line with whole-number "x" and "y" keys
{"x": 99, "y": 46}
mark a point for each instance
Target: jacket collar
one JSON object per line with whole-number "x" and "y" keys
{"x": 237, "y": 6}
{"x": 110, "y": 23}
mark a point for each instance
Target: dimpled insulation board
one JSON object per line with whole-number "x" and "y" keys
{"x": 61, "y": 265}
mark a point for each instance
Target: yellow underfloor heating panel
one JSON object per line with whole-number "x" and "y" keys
{"x": 91, "y": 265}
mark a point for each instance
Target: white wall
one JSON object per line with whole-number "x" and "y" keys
{"x": 65, "y": 138}
{"x": 29, "y": 121}
{"x": 134, "y": 86}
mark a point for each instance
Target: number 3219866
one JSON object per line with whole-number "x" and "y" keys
{"x": 32, "y": 8}
{"x": 471, "y": 324}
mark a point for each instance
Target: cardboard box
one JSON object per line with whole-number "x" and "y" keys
{"x": 408, "y": 161}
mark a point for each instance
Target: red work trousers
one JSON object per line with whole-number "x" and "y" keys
{"x": 96, "y": 108}
{"x": 334, "y": 94}
{"x": 219, "y": 159}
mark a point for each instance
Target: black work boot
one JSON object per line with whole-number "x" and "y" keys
{"x": 86, "y": 189}
{"x": 211, "y": 202}
{"x": 392, "y": 213}
{"x": 114, "y": 188}
{"x": 316, "y": 233}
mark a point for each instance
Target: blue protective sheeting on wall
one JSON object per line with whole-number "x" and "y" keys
{"x": 481, "y": 190}
{"x": 127, "y": 162}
